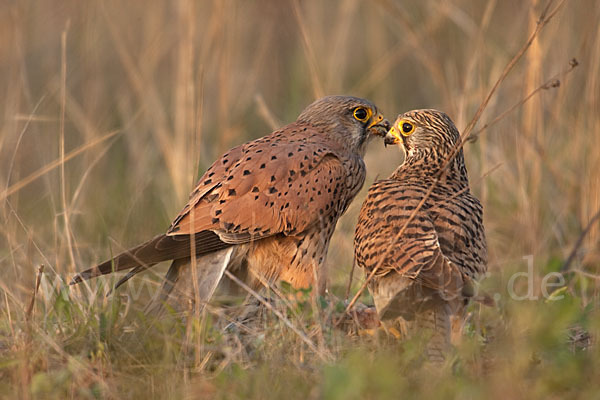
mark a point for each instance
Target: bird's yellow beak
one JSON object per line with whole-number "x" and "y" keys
{"x": 393, "y": 136}
{"x": 378, "y": 125}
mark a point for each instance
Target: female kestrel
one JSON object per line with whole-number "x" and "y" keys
{"x": 423, "y": 265}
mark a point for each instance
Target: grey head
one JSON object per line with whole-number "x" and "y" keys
{"x": 350, "y": 120}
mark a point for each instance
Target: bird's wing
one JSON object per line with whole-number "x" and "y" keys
{"x": 281, "y": 183}
{"x": 459, "y": 224}
{"x": 416, "y": 254}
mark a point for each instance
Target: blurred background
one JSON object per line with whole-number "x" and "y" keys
{"x": 181, "y": 82}
{"x": 111, "y": 110}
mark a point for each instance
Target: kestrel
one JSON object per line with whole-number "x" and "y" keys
{"x": 266, "y": 210}
{"x": 423, "y": 271}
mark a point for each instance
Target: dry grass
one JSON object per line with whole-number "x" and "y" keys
{"x": 112, "y": 109}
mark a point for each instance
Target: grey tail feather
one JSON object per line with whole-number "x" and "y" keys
{"x": 436, "y": 321}
{"x": 212, "y": 272}
{"x": 211, "y": 268}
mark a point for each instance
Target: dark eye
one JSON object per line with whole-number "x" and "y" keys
{"x": 361, "y": 114}
{"x": 407, "y": 127}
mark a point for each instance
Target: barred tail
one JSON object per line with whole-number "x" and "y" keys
{"x": 436, "y": 323}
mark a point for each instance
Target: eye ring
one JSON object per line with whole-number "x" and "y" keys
{"x": 362, "y": 114}
{"x": 406, "y": 127}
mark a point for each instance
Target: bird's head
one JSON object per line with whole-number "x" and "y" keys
{"x": 352, "y": 120}
{"x": 424, "y": 131}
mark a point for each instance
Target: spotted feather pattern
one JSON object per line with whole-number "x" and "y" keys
{"x": 282, "y": 183}
{"x": 275, "y": 201}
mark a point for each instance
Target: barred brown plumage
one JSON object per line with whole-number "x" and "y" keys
{"x": 428, "y": 274}
{"x": 266, "y": 209}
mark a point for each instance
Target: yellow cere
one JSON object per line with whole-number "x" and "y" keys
{"x": 401, "y": 127}
{"x": 394, "y": 132}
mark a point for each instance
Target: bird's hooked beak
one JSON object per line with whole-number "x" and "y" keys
{"x": 393, "y": 135}
{"x": 378, "y": 125}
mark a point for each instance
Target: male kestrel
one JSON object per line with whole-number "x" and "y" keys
{"x": 424, "y": 270}
{"x": 266, "y": 210}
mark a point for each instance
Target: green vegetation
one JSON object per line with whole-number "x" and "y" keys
{"x": 181, "y": 82}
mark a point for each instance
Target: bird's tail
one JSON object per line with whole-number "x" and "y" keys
{"x": 435, "y": 321}
{"x": 139, "y": 258}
